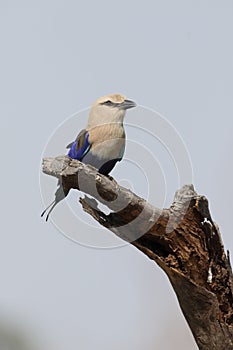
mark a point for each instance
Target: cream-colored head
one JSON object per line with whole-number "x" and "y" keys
{"x": 109, "y": 109}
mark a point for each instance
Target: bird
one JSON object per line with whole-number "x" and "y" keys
{"x": 102, "y": 143}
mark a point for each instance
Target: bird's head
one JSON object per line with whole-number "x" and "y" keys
{"x": 109, "y": 109}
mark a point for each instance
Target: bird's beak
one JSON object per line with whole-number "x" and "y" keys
{"x": 127, "y": 104}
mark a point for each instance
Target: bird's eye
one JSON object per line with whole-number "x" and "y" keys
{"x": 108, "y": 103}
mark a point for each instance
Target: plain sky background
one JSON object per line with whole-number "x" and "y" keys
{"x": 56, "y": 58}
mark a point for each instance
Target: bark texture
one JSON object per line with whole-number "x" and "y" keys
{"x": 183, "y": 240}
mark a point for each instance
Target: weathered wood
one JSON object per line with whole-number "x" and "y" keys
{"x": 183, "y": 240}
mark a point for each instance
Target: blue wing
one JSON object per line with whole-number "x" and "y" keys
{"x": 80, "y": 147}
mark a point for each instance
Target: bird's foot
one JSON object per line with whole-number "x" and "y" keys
{"x": 111, "y": 179}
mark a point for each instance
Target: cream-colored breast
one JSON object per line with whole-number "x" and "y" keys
{"x": 107, "y": 140}
{"x": 101, "y": 133}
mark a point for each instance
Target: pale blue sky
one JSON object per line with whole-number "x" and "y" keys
{"x": 57, "y": 57}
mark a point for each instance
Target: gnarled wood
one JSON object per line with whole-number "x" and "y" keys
{"x": 183, "y": 240}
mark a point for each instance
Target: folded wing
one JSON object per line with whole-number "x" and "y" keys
{"x": 80, "y": 147}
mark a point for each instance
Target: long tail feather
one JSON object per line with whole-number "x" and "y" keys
{"x": 44, "y": 211}
{"x": 60, "y": 194}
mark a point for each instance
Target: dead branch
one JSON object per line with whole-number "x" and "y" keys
{"x": 183, "y": 240}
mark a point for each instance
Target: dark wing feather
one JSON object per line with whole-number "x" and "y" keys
{"x": 80, "y": 136}
{"x": 80, "y": 147}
